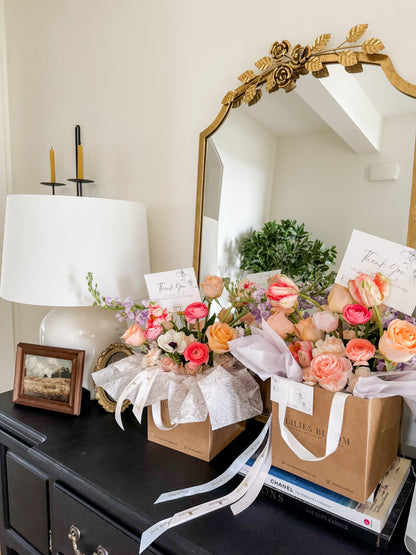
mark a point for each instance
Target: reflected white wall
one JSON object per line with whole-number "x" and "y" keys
{"x": 247, "y": 153}
{"x": 320, "y": 181}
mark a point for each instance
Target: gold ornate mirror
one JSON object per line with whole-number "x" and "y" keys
{"x": 337, "y": 153}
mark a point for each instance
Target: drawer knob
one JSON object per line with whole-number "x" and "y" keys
{"x": 74, "y": 535}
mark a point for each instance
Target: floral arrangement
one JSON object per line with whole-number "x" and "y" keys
{"x": 190, "y": 341}
{"x": 350, "y": 335}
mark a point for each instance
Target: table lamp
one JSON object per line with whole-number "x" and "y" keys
{"x": 52, "y": 242}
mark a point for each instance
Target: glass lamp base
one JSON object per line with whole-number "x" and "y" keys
{"x": 89, "y": 328}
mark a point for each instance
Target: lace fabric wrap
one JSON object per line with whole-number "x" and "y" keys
{"x": 226, "y": 395}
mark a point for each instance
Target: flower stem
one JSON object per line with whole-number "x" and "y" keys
{"x": 380, "y": 325}
{"x": 307, "y": 298}
{"x": 243, "y": 313}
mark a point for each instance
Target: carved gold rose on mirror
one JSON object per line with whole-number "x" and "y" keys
{"x": 285, "y": 64}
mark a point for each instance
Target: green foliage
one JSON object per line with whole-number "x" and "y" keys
{"x": 287, "y": 246}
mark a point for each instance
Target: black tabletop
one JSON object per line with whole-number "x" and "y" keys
{"x": 125, "y": 473}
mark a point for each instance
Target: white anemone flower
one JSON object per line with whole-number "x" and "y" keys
{"x": 172, "y": 341}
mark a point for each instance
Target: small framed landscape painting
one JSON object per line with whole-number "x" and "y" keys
{"x": 49, "y": 377}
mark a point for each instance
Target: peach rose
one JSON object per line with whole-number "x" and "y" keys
{"x": 151, "y": 358}
{"x": 325, "y": 320}
{"x": 169, "y": 365}
{"x": 360, "y": 350}
{"x": 134, "y": 335}
{"x": 307, "y": 331}
{"x": 224, "y": 315}
{"x": 283, "y": 293}
{"x": 219, "y": 334}
{"x": 331, "y": 345}
{"x": 368, "y": 291}
{"x": 281, "y": 324}
{"x": 398, "y": 342}
{"x": 331, "y": 371}
{"x": 338, "y": 298}
{"x": 212, "y": 286}
{"x": 308, "y": 377}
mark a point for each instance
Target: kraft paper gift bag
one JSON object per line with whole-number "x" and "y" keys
{"x": 351, "y": 460}
{"x": 194, "y": 438}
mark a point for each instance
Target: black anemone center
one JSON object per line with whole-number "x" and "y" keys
{"x": 173, "y": 344}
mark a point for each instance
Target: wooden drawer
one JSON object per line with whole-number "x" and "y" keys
{"x": 95, "y": 527}
{"x": 27, "y": 490}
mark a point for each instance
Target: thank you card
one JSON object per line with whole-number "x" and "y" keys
{"x": 174, "y": 290}
{"x": 371, "y": 254}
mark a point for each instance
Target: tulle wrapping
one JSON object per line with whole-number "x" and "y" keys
{"x": 388, "y": 384}
{"x": 226, "y": 395}
{"x": 266, "y": 354}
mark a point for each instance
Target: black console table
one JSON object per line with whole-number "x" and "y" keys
{"x": 59, "y": 470}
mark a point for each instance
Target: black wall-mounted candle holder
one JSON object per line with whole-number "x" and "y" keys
{"x": 52, "y": 184}
{"x": 77, "y": 180}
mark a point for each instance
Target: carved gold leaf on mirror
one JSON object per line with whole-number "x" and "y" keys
{"x": 282, "y": 69}
{"x": 285, "y": 64}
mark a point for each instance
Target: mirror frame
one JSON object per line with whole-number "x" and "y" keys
{"x": 302, "y": 60}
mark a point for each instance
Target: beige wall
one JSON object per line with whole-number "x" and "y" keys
{"x": 143, "y": 78}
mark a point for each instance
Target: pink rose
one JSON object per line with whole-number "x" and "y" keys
{"x": 338, "y": 298}
{"x": 398, "y": 342}
{"x": 281, "y": 324}
{"x": 307, "y": 331}
{"x": 197, "y": 354}
{"x": 134, "y": 335}
{"x": 331, "y": 345}
{"x": 302, "y": 352}
{"x": 325, "y": 320}
{"x": 153, "y": 332}
{"x": 360, "y": 350}
{"x": 283, "y": 293}
{"x": 356, "y": 314}
{"x": 212, "y": 286}
{"x": 331, "y": 371}
{"x": 367, "y": 291}
{"x": 195, "y": 311}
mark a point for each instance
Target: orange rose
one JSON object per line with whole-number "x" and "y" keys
{"x": 398, "y": 342}
{"x": 307, "y": 331}
{"x": 338, "y": 298}
{"x": 212, "y": 286}
{"x": 219, "y": 334}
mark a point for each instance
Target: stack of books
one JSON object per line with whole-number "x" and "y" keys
{"x": 373, "y": 521}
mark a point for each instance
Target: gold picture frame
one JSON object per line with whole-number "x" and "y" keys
{"x": 114, "y": 352}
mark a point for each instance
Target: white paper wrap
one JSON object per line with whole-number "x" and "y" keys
{"x": 227, "y": 396}
{"x": 266, "y": 354}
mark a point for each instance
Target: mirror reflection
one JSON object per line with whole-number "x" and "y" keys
{"x": 335, "y": 154}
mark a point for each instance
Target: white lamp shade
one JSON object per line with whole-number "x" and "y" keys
{"x": 51, "y": 242}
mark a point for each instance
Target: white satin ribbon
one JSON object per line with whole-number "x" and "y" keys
{"x": 223, "y": 478}
{"x": 249, "y": 487}
{"x": 157, "y": 418}
{"x": 336, "y": 417}
{"x": 145, "y": 380}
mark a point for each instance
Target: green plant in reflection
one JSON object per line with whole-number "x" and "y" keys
{"x": 287, "y": 246}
